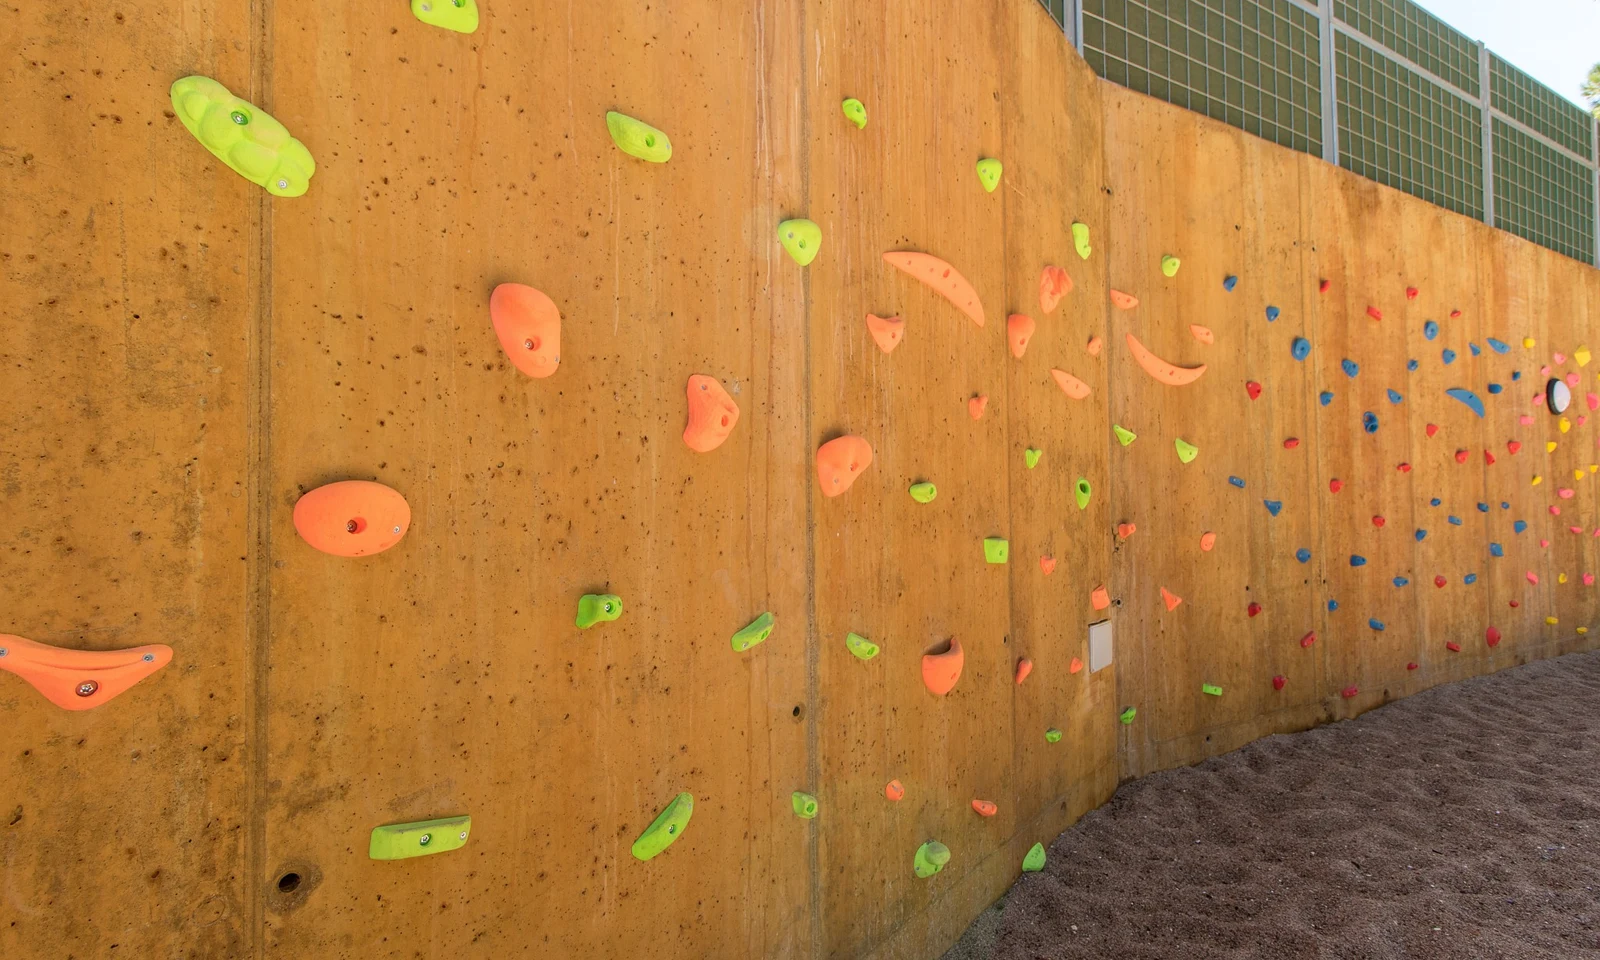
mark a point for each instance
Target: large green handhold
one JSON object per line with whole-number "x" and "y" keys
{"x": 924, "y": 492}
{"x": 996, "y": 550}
{"x": 1034, "y": 861}
{"x": 665, "y": 828}
{"x": 758, "y": 630}
{"x": 458, "y": 15}
{"x": 256, "y": 146}
{"x": 861, "y": 646}
{"x": 1080, "y": 239}
{"x": 1080, "y": 493}
{"x": 637, "y": 138}
{"x": 398, "y": 841}
{"x": 804, "y": 805}
{"x": 801, "y": 238}
{"x": 855, "y": 111}
{"x": 989, "y": 173}
{"x": 931, "y": 858}
{"x": 596, "y": 608}
{"x": 1186, "y": 450}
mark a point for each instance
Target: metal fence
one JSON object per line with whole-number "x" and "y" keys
{"x": 1381, "y": 87}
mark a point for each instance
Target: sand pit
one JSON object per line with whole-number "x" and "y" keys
{"x": 1458, "y": 823}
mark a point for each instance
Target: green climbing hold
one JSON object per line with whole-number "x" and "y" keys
{"x": 805, "y": 805}
{"x": 1211, "y": 689}
{"x": 1169, "y": 265}
{"x": 1034, "y": 861}
{"x": 924, "y": 492}
{"x": 1031, "y": 457}
{"x": 665, "y": 828}
{"x": 758, "y": 630}
{"x": 1186, "y": 450}
{"x": 1124, "y": 435}
{"x": 1128, "y": 715}
{"x": 1080, "y": 493}
{"x": 458, "y": 15}
{"x": 801, "y": 238}
{"x": 399, "y": 841}
{"x": 596, "y": 608}
{"x": 252, "y": 143}
{"x": 1080, "y": 239}
{"x": 855, "y": 111}
{"x": 861, "y": 646}
{"x": 1052, "y": 735}
{"x": 996, "y": 550}
{"x": 637, "y": 138}
{"x": 989, "y": 174}
{"x": 931, "y": 858}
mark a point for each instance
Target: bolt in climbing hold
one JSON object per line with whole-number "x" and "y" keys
{"x": 250, "y": 141}
{"x": 802, "y": 238}
{"x": 1080, "y": 239}
{"x": 1034, "y": 861}
{"x": 804, "y": 805}
{"x": 855, "y": 111}
{"x": 996, "y": 550}
{"x": 596, "y": 608}
{"x": 840, "y": 461}
{"x": 637, "y": 138}
{"x": 399, "y": 841}
{"x": 1169, "y": 265}
{"x": 666, "y": 828}
{"x": 528, "y": 326}
{"x": 863, "y": 648}
{"x": 1186, "y": 450}
{"x": 887, "y": 332}
{"x": 894, "y": 790}
{"x": 931, "y": 858}
{"x": 59, "y": 673}
{"x": 712, "y": 414}
{"x": 942, "y": 668}
{"x": 755, "y": 632}
{"x": 1019, "y": 329}
{"x": 989, "y": 173}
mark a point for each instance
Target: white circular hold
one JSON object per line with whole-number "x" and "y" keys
{"x": 1557, "y": 395}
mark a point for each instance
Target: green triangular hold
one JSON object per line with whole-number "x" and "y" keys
{"x": 1124, "y": 435}
{"x": 923, "y": 492}
{"x": 861, "y": 646}
{"x": 1186, "y": 450}
{"x": 1080, "y": 239}
{"x": 856, "y": 112}
{"x": 1031, "y": 457}
{"x": 1169, "y": 265}
{"x": 989, "y": 173}
{"x": 758, "y": 630}
{"x": 801, "y": 238}
{"x": 1080, "y": 493}
{"x": 1034, "y": 861}
{"x": 637, "y": 138}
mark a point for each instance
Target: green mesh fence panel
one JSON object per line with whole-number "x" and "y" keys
{"x": 1057, "y": 9}
{"x": 1417, "y": 35}
{"x": 1542, "y": 194}
{"x": 1539, "y": 108}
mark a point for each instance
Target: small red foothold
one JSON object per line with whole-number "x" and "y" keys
{"x": 1411, "y": 666}
{"x": 1375, "y": 313}
{"x": 976, "y": 405}
{"x": 1125, "y": 530}
{"x": 1411, "y": 293}
{"x": 1514, "y": 603}
{"x": 1279, "y": 681}
{"x": 1335, "y": 485}
{"x": 1170, "y": 599}
{"x": 1307, "y": 640}
{"x": 1488, "y": 458}
{"x": 1491, "y": 636}
{"x": 1461, "y": 456}
{"x": 1075, "y": 666}
{"x": 1024, "y": 667}
{"x": 1514, "y": 446}
{"x": 1253, "y": 609}
{"x": 1378, "y": 521}
{"x": 1404, "y": 468}
{"x": 1455, "y": 314}
{"x": 1349, "y": 692}
{"x": 1252, "y": 388}
{"x": 1324, "y": 285}
{"x": 1048, "y": 565}
{"x": 1291, "y": 443}
{"x": 1439, "y": 580}
{"x": 1452, "y": 646}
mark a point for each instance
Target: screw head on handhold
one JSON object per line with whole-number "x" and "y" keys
{"x": 87, "y": 688}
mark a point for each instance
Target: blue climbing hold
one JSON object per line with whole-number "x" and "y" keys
{"x": 1516, "y": 375}
{"x": 1395, "y": 397}
{"x": 1350, "y": 367}
{"x": 1435, "y": 502}
{"x": 1333, "y": 605}
{"x": 1369, "y": 422}
{"x": 1303, "y": 555}
{"x": 1483, "y": 508}
{"x": 1470, "y": 578}
{"x": 1229, "y": 282}
{"x": 1273, "y": 506}
{"x": 1504, "y": 505}
{"x": 1474, "y": 348}
{"x": 1421, "y": 534}
{"x": 1236, "y": 481}
{"x": 1454, "y": 521}
{"x": 1495, "y": 388}
{"x": 1520, "y": 526}
{"x": 1357, "y": 560}
{"x": 1498, "y": 346}
{"x": 1495, "y": 550}
{"x": 1272, "y": 314}
{"x": 1430, "y": 329}
{"x": 1448, "y": 356}
{"x": 1401, "y": 581}
{"x": 1467, "y": 397}
{"x": 1375, "y": 624}
{"x": 1325, "y": 397}
{"x": 1300, "y": 348}
{"x": 1411, "y": 364}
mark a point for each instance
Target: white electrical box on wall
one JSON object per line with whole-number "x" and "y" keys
{"x": 1099, "y": 646}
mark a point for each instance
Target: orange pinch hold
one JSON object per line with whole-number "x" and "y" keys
{"x": 1053, "y": 285}
{"x": 1048, "y": 565}
{"x": 1170, "y": 599}
{"x": 1019, "y": 330}
{"x": 1075, "y": 666}
{"x": 712, "y": 414}
{"x": 886, "y": 331}
{"x": 79, "y": 679}
{"x": 352, "y": 518}
{"x": 1070, "y": 385}
{"x": 976, "y": 406}
{"x": 1024, "y": 667}
{"x": 941, "y": 670}
{"x": 529, "y": 327}
{"x": 943, "y": 278}
{"x": 1099, "y": 598}
{"x": 894, "y": 791}
{"x": 1093, "y": 346}
{"x": 1123, "y": 301}
{"x": 1207, "y": 541}
{"x": 1160, "y": 369}
{"x": 1125, "y": 530}
{"x": 985, "y": 808}
{"x": 840, "y": 461}
{"x": 1203, "y": 334}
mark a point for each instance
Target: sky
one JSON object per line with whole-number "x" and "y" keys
{"x": 1554, "y": 41}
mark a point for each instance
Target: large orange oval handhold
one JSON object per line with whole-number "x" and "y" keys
{"x": 1019, "y": 330}
{"x": 1053, "y": 285}
{"x": 529, "y": 327}
{"x": 886, "y": 331}
{"x": 79, "y": 679}
{"x": 1070, "y": 385}
{"x": 985, "y": 808}
{"x": 352, "y": 518}
{"x": 940, "y": 671}
{"x": 840, "y": 461}
{"x": 942, "y": 277}
{"x": 712, "y": 414}
{"x": 1160, "y": 369}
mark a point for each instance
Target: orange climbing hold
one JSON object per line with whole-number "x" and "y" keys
{"x": 976, "y": 406}
{"x": 1161, "y": 369}
{"x": 1053, "y": 285}
{"x": 1207, "y": 541}
{"x": 529, "y": 327}
{"x": 942, "y": 277}
{"x": 840, "y": 461}
{"x": 1123, "y": 301}
{"x": 941, "y": 670}
{"x": 1048, "y": 565}
{"x": 1093, "y": 346}
{"x": 1323, "y": 286}
{"x": 1019, "y": 330}
{"x": 1170, "y": 599}
{"x": 1075, "y": 666}
{"x": 985, "y": 808}
{"x": 1070, "y": 385}
{"x": 352, "y": 518}
{"x": 712, "y": 414}
{"x": 1125, "y": 530}
{"x": 1099, "y": 598}
{"x": 1203, "y": 334}
{"x": 894, "y": 790}
{"x": 1024, "y": 667}
{"x": 79, "y": 679}
{"x": 886, "y": 331}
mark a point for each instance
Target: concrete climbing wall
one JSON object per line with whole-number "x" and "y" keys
{"x": 185, "y": 357}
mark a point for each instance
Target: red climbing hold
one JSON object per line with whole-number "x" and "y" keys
{"x": 941, "y": 670}
{"x": 1515, "y": 446}
{"x": 1170, "y": 599}
{"x": 1053, "y": 285}
{"x": 840, "y": 461}
{"x": 1349, "y": 692}
{"x": 1324, "y": 285}
{"x": 1411, "y": 666}
{"x": 1378, "y": 521}
{"x": 1452, "y": 646}
{"x": 1075, "y": 666}
{"x": 985, "y": 808}
{"x": 1125, "y": 530}
{"x": 1404, "y": 468}
{"x": 1019, "y": 330}
{"x": 1461, "y": 456}
{"x": 80, "y": 679}
{"x": 1024, "y": 667}
{"x": 1439, "y": 580}
{"x": 1279, "y": 681}
{"x": 1048, "y": 565}
{"x": 1515, "y": 604}
{"x": 886, "y": 331}
{"x": 1431, "y": 429}
{"x": 1099, "y": 598}
{"x": 1411, "y": 293}
{"x": 1375, "y": 313}
{"x": 1455, "y": 314}
{"x": 1491, "y": 636}
{"x": 1335, "y": 485}
{"x": 1252, "y": 388}
{"x": 1253, "y": 609}
{"x": 976, "y": 406}
{"x": 1307, "y": 640}
{"x": 712, "y": 414}
{"x": 1291, "y": 443}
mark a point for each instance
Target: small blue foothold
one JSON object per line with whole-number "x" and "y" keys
{"x": 1272, "y": 314}
{"x": 1474, "y": 348}
{"x": 1375, "y": 624}
{"x": 1454, "y": 521}
{"x": 1495, "y": 550}
{"x": 1300, "y": 348}
{"x": 1470, "y": 578}
{"x": 1350, "y": 367}
{"x": 1325, "y": 397}
{"x": 1411, "y": 364}
{"x": 1448, "y": 356}
{"x": 1357, "y": 560}
{"x": 1395, "y": 397}
{"x": 1495, "y": 388}
{"x": 1369, "y": 422}
{"x": 1229, "y": 282}
{"x": 1421, "y": 534}
{"x": 1516, "y": 375}
{"x": 1434, "y": 502}
{"x": 1483, "y": 508}
{"x": 1498, "y": 346}
{"x": 1401, "y": 581}
{"x": 1520, "y": 526}
{"x": 1430, "y": 329}
{"x": 1236, "y": 481}
{"x": 1467, "y": 397}
{"x": 1504, "y": 505}
{"x": 1273, "y": 506}
{"x": 1333, "y": 605}
{"x": 1302, "y": 555}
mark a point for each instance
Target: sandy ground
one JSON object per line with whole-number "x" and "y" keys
{"x": 1463, "y": 822}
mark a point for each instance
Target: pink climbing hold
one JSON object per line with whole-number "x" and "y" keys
{"x": 1048, "y": 565}
{"x": 1544, "y": 543}
{"x": 1291, "y": 443}
{"x": 1053, "y": 285}
{"x": 1093, "y": 346}
{"x": 1593, "y": 400}
{"x": 1575, "y": 529}
{"x": 1555, "y": 511}
{"x": 1252, "y": 388}
{"x": 976, "y": 406}
{"x": 1560, "y": 358}
{"x": 1024, "y": 667}
{"x": 1203, "y": 334}
{"x": 1431, "y": 429}
{"x": 1252, "y": 609}
{"x": 1019, "y": 330}
{"x": 1335, "y": 485}
{"x": 1349, "y": 692}
{"x": 1491, "y": 636}
{"x": 1533, "y": 578}
{"x": 1209, "y": 540}
{"x": 1307, "y": 640}
{"x": 1170, "y": 599}
{"x": 886, "y": 331}
{"x": 1070, "y": 385}
{"x": 1588, "y": 579}
{"x": 1526, "y": 419}
{"x": 1375, "y": 313}
{"x": 1279, "y": 681}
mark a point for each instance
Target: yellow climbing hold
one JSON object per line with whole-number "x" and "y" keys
{"x": 1581, "y": 356}
{"x": 802, "y": 238}
{"x": 1080, "y": 239}
{"x": 1583, "y": 629}
{"x": 989, "y": 174}
{"x": 1537, "y": 480}
{"x": 1169, "y": 265}
{"x": 1527, "y": 343}
{"x": 1551, "y": 620}
{"x": 458, "y": 15}
{"x": 246, "y": 138}
{"x": 1578, "y": 474}
{"x": 1564, "y": 424}
{"x": 1549, "y": 446}
{"x": 1561, "y": 578}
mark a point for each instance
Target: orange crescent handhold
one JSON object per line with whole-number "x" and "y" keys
{"x": 1099, "y": 598}
{"x": 1075, "y": 666}
{"x": 1203, "y": 334}
{"x": 1093, "y": 346}
{"x": 1123, "y": 301}
{"x": 1070, "y": 385}
{"x": 976, "y": 406}
{"x": 352, "y": 518}
{"x": 886, "y": 331}
{"x": 1024, "y": 667}
{"x": 79, "y": 679}
{"x": 940, "y": 671}
{"x": 1161, "y": 369}
{"x": 712, "y": 414}
{"x": 942, "y": 277}
{"x": 985, "y": 808}
{"x": 840, "y": 461}
{"x": 1170, "y": 599}
{"x": 1053, "y": 285}
{"x": 1019, "y": 329}
{"x": 529, "y": 327}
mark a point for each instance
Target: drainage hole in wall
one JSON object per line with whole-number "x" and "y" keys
{"x": 289, "y": 882}
{"x": 799, "y": 711}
